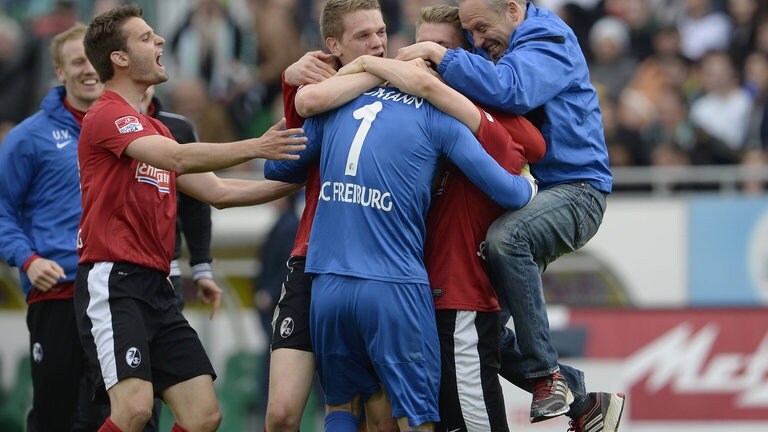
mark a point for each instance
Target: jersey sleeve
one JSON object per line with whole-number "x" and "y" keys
{"x": 114, "y": 127}
{"x": 292, "y": 117}
{"x": 17, "y": 162}
{"x": 463, "y": 149}
{"x": 295, "y": 171}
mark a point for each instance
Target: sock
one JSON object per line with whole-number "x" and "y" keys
{"x": 340, "y": 421}
{"x": 177, "y": 428}
{"x": 108, "y": 426}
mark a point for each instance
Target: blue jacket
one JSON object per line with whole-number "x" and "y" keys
{"x": 544, "y": 76}
{"x": 40, "y": 188}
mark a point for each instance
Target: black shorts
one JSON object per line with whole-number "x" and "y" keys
{"x": 60, "y": 397}
{"x": 470, "y": 363}
{"x": 130, "y": 326}
{"x": 290, "y": 322}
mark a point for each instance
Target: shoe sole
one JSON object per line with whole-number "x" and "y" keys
{"x": 552, "y": 414}
{"x": 615, "y": 409}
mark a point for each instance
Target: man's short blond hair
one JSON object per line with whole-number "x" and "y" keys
{"x": 334, "y": 11}
{"x": 77, "y": 31}
{"x": 443, "y": 14}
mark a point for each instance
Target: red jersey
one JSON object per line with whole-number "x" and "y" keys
{"x": 461, "y": 213}
{"x": 312, "y": 187}
{"x": 129, "y": 207}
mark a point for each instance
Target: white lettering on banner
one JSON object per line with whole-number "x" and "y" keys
{"x": 682, "y": 359}
{"x": 352, "y": 193}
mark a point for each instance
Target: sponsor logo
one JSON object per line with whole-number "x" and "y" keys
{"x": 707, "y": 364}
{"x": 37, "y": 352}
{"x": 128, "y": 124}
{"x": 62, "y": 138}
{"x": 133, "y": 357}
{"x": 160, "y": 178}
{"x": 355, "y": 194}
{"x": 286, "y": 327}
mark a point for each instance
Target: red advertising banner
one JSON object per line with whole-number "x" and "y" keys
{"x": 684, "y": 364}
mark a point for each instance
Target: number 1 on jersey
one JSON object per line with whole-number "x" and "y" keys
{"x": 367, "y": 114}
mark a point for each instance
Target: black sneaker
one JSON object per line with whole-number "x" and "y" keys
{"x": 551, "y": 397}
{"x": 604, "y": 415}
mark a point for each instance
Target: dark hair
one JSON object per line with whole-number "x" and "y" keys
{"x": 105, "y": 36}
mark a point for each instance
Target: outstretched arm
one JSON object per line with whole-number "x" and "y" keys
{"x": 229, "y": 192}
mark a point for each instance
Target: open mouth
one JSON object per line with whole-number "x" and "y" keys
{"x": 90, "y": 82}
{"x": 158, "y": 62}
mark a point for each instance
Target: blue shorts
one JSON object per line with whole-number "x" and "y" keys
{"x": 367, "y": 334}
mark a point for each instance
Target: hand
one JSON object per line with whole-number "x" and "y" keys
{"x": 209, "y": 293}
{"x": 425, "y": 50}
{"x": 525, "y": 172}
{"x": 312, "y": 68}
{"x": 279, "y": 143}
{"x": 44, "y": 273}
{"x": 355, "y": 66}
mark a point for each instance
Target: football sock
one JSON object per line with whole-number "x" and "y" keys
{"x": 341, "y": 421}
{"x": 177, "y": 428}
{"x": 108, "y": 426}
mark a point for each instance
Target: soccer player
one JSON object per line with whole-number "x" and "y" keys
{"x": 39, "y": 215}
{"x": 538, "y": 69}
{"x": 130, "y": 166}
{"x": 351, "y": 28}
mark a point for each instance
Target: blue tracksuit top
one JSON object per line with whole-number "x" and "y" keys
{"x": 40, "y": 188}
{"x": 543, "y": 75}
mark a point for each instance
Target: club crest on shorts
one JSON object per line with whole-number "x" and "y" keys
{"x": 133, "y": 357}
{"x": 37, "y": 352}
{"x": 286, "y": 327}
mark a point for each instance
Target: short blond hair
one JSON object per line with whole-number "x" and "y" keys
{"x": 334, "y": 11}
{"x": 77, "y": 31}
{"x": 443, "y": 14}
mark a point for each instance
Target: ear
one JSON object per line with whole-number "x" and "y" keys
{"x": 119, "y": 58}
{"x": 59, "y": 74}
{"x": 516, "y": 11}
{"x": 333, "y": 46}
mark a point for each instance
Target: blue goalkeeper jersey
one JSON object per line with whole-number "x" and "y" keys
{"x": 378, "y": 156}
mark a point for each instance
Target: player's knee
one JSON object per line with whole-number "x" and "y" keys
{"x": 137, "y": 411}
{"x": 280, "y": 417}
{"x": 208, "y": 419}
{"x": 384, "y": 424}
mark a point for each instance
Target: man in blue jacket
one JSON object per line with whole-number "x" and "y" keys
{"x": 537, "y": 69}
{"x": 39, "y": 216}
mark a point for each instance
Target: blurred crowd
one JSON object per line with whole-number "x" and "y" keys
{"x": 681, "y": 82}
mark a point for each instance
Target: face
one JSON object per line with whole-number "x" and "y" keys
{"x": 144, "y": 50}
{"x": 443, "y": 34}
{"x": 364, "y": 33}
{"x": 78, "y": 76}
{"x": 490, "y": 29}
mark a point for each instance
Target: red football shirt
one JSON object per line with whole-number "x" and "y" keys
{"x": 129, "y": 207}
{"x": 461, "y": 213}
{"x": 312, "y": 187}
